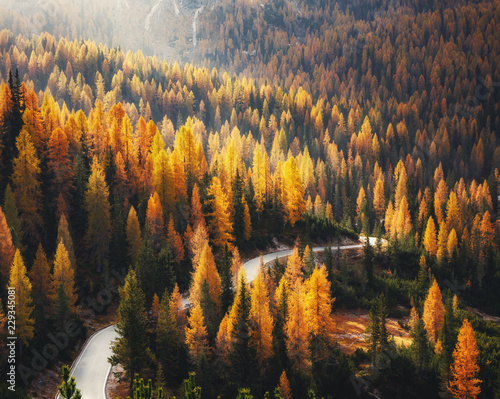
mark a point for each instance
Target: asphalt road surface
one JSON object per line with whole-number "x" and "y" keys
{"x": 91, "y": 368}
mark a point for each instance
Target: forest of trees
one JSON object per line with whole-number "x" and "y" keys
{"x": 303, "y": 124}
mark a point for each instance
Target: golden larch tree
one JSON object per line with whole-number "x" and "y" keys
{"x": 27, "y": 187}
{"x": 196, "y": 213}
{"x": 99, "y": 217}
{"x": 453, "y": 218}
{"x": 175, "y": 242}
{"x": 197, "y": 243}
{"x": 260, "y": 174}
{"x": 196, "y": 335}
{"x": 379, "y": 199}
{"x": 360, "y": 202}
{"x": 236, "y": 265}
{"x": 60, "y": 166}
{"x": 223, "y": 339}
{"x": 42, "y": 289}
{"x": 430, "y": 240}
{"x": 401, "y": 181}
{"x": 154, "y": 220}
{"x": 261, "y": 321}
{"x": 163, "y": 179}
{"x": 452, "y": 244}
{"x": 318, "y": 312}
{"x": 487, "y": 231}
{"x": 221, "y": 227}
{"x": 297, "y": 329}
{"x": 439, "y": 199}
{"x": 442, "y": 242}
{"x": 65, "y": 275}
{"x": 7, "y": 249}
{"x": 206, "y": 271}
{"x": 293, "y": 269}
{"x": 134, "y": 237}
{"x": 284, "y": 387}
{"x": 292, "y": 192}
{"x": 402, "y": 219}
{"x": 464, "y": 369}
{"x": 24, "y": 304}
{"x": 64, "y": 235}
{"x": 433, "y": 312}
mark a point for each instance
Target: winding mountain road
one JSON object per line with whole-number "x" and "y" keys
{"x": 91, "y": 367}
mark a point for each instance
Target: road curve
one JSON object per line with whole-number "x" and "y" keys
{"x": 252, "y": 266}
{"x": 91, "y": 368}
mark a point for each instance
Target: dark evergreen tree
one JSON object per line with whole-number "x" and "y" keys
{"x": 68, "y": 389}
{"x": 210, "y": 312}
{"x": 382, "y": 314}
{"x": 227, "y": 288}
{"x": 448, "y": 339}
{"x": 420, "y": 346}
{"x": 10, "y": 128}
{"x": 167, "y": 340}
{"x": 146, "y": 269}
{"x": 62, "y": 308}
{"x": 131, "y": 349}
{"x": 328, "y": 260}
{"x": 368, "y": 261}
{"x": 243, "y": 355}
{"x": 118, "y": 240}
{"x": 239, "y": 223}
{"x": 373, "y": 329}
{"x": 166, "y": 273}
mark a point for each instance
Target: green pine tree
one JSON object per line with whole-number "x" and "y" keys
{"x": 373, "y": 329}
{"x": 131, "y": 348}
{"x": 420, "y": 346}
{"x": 167, "y": 333}
{"x": 68, "y": 388}
{"x": 166, "y": 274}
{"x": 146, "y": 269}
{"x": 239, "y": 224}
{"x": 62, "y": 308}
{"x": 448, "y": 339}
{"x": 242, "y": 357}
{"x": 368, "y": 261}
{"x": 191, "y": 390}
{"x": 227, "y": 288}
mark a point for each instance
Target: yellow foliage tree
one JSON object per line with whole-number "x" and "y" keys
{"x": 206, "y": 271}
{"x": 293, "y": 269}
{"x": 134, "y": 237}
{"x": 430, "y": 241}
{"x": 379, "y": 199}
{"x": 464, "y": 368}
{"x": 196, "y": 335}
{"x": 318, "y": 312}
{"x": 221, "y": 227}
{"x": 42, "y": 289}
{"x": 21, "y": 284}
{"x": 442, "y": 242}
{"x": 65, "y": 275}
{"x": 297, "y": 329}
{"x": 261, "y": 321}
{"x": 433, "y": 312}
{"x": 292, "y": 192}
{"x": 284, "y": 387}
